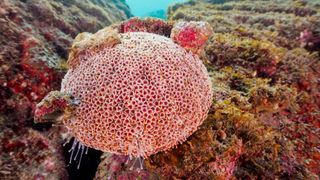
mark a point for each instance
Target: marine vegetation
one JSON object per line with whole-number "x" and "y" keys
{"x": 263, "y": 59}
{"x": 35, "y": 36}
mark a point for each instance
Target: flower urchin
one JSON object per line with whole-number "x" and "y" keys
{"x": 138, "y": 93}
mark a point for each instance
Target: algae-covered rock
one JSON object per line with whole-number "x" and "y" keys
{"x": 35, "y": 37}
{"x": 27, "y": 154}
{"x": 262, "y": 58}
{"x": 266, "y": 92}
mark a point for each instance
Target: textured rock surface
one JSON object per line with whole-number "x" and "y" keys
{"x": 280, "y": 22}
{"x": 121, "y": 167}
{"x": 35, "y": 37}
{"x": 27, "y": 154}
{"x": 263, "y": 60}
{"x": 266, "y": 87}
{"x": 151, "y": 25}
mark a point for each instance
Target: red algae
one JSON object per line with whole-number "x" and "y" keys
{"x": 24, "y": 149}
{"x": 35, "y": 38}
{"x": 263, "y": 60}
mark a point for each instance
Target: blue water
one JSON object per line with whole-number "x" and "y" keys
{"x": 143, "y": 8}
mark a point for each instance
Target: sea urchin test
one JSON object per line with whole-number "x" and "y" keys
{"x": 132, "y": 92}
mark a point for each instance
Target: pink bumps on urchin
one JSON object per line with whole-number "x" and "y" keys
{"x": 139, "y": 93}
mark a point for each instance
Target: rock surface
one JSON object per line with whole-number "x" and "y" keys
{"x": 27, "y": 154}
{"x": 264, "y": 122}
{"x": 263, "y": 59}
{"x": 35, "y": 37}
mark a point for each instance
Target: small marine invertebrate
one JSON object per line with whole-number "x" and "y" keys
{"x": 137, "y": 93}
{"x": 191, "y": 35}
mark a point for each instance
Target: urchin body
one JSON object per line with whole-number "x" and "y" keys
{"x": 130, "y": 92}
{"x": 144, "y": 95}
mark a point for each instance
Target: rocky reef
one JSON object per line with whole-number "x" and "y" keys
{"x": 35, "y": 37}
{"x": 264, "y": 122}
{"x": 263, "y": 60}
{"x": 27, "y": 154}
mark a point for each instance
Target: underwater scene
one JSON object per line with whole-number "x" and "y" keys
{"x": 159, "y": 90}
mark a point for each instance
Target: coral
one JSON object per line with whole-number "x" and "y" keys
{"x": 139, "y": 93}
{"x": 26, "y": 154}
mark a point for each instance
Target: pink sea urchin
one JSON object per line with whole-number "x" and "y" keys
{"x": 139, "y": 93}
